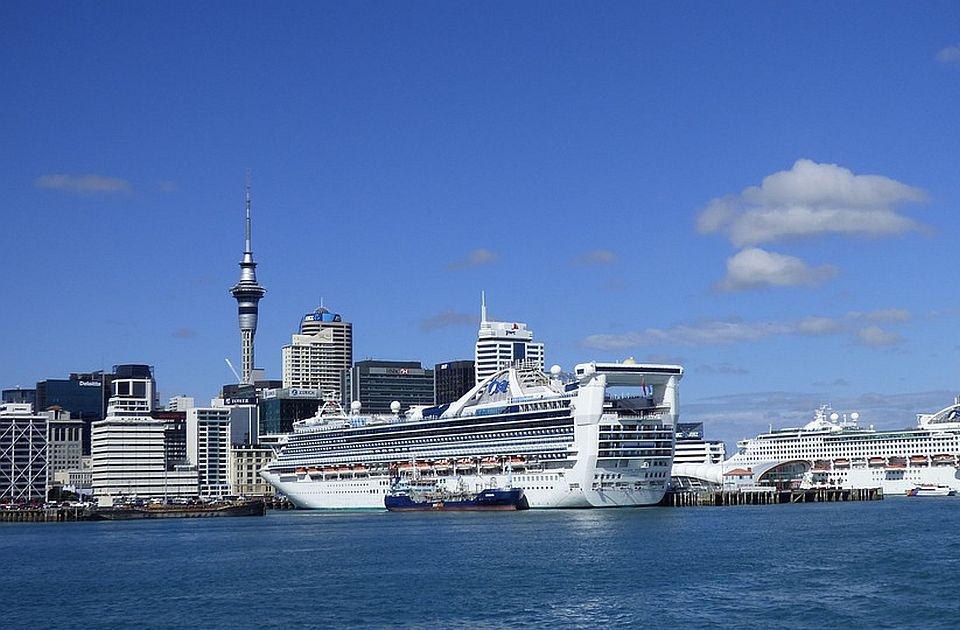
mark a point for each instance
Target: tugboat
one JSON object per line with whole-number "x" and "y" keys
{"x": 413, "y": 497}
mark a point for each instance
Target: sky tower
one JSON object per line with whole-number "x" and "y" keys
{"x": 247, "y": 292}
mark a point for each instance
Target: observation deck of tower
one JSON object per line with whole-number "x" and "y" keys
{"x": 247, "y": 293}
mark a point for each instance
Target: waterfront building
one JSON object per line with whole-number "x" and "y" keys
{"x": 84, "y": 395}
{"x": 453, "y": 379}
{"x": 23, "y": 454}
{"x": 377, "y": 384}
{"x": 208, "y": 448}
{"x": 64, "y": 444}
{"x": 499, "y": 344}
{"x": 246, "y": 460}
{"x": 18, "y": 395}
{"x": 692, "y": 448}
{"x": 315, "y": 357}
{"x": 280, "y": 408}
{"x": 248, "y": 293}
{"x": 180, "y": 403}
{"x": 136, "y": 450}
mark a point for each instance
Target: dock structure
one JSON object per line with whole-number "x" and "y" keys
{"x": 689, "y": 498}
{"x": 44, "y": 515}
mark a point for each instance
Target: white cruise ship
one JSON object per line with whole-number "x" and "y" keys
{"x": 602, "y": 437}
{"x": 837, "y": 451}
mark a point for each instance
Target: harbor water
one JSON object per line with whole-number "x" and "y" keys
{"x": 884, "y": 564}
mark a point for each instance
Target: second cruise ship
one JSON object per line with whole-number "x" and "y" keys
{"x": 601, "y": 437}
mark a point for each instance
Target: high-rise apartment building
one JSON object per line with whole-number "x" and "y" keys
{"x": 208, "y": 448}
{"x": 23, "y": 454}
{"x": 452, "y": 380}
{"x": 316, "y": 356}
{"x": 376, "y": 384}
{"x": 501, "y": 343}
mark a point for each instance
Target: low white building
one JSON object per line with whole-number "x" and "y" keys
{"x": 129, "y": 454}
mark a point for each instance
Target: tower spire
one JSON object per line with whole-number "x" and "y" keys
{"x": 483, "y": 307}
{"x": 247, "y": 248}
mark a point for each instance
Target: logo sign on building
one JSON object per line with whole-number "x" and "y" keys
{"x": 296, "y": 392}
{"x": 89, "y": 383}
{"x": 238, "y": 401}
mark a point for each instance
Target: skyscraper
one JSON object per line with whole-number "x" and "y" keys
{"x": 316, "y": 357}
{"x": 501, "y": 343}
{"x": 247, "y": 293}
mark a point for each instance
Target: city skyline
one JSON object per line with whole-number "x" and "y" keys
{"x": 760, "y": 193}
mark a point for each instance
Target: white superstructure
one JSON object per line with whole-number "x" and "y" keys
{"x": 837, "y": 451}
{"x": 602, "y": 437}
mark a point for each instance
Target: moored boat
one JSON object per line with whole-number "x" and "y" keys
{"x": 254, "y": 507}
{"x": 930, "y": 490}
{"x": 405, "y": 497}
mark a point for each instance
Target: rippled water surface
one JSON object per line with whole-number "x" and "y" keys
{"x": 884, "y": 564}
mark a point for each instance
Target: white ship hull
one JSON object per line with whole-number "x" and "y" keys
{"x": 574, "y": 444}
{"x": 542, "y": 491}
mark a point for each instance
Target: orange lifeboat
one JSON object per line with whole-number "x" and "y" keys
{"x": 489, "y": 462}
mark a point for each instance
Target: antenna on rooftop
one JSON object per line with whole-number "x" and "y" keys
{"x": 483, "y": 307}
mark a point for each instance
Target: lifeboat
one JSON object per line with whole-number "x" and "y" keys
{"x": 896, "y": 462}
{"x": 821, "y": 464}
{"x": 919, "y": 459}
{"x": 330, "y": 470}
{"x": 301, "y": 471}
{"x": 489, "y": 462}
{"x": 841, "y": 463}
{"x": 518, "y": 462}
{"x": 442, "y": 464}
{"x": 344, "y": 470}
{"x": 944, "y": 458}
{"x": 876, "y": 461}
{"x": 406, "y": 466}
{"x": 424, "y": 465}
{"x": 314, "y": 472}
{"x": 359, "y": 470}
{"x": 466, "y": 464}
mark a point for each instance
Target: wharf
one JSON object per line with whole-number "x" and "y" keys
{"x": 44, "y": 515}
{"x": 688, "y": 498}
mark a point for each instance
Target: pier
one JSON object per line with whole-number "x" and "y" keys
{"x": 689, "y": 498}
{"x": 44, "y": 515}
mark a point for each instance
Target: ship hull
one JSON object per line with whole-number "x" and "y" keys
{"x": 250, "y": 508}
{"x": 541, "y": 494}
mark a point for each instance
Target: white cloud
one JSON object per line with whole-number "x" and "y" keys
{"x": 83, "y": 184}
{"x": 447, "y": 319}
{"x": 811, "y": 199}
{"x": 950, "y": 54}
{"x": 754, "y": 268}
{"x": 878, "y": 337}
{"x": 476, "y": 258}
{"x": 734, "y": 331}
{"x": 883, "y": 315}
{"x": 712, "y": 332}
{"x": 596, "y": 257}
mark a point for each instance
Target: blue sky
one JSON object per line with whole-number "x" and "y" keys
{"x": 764, "y": 192}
